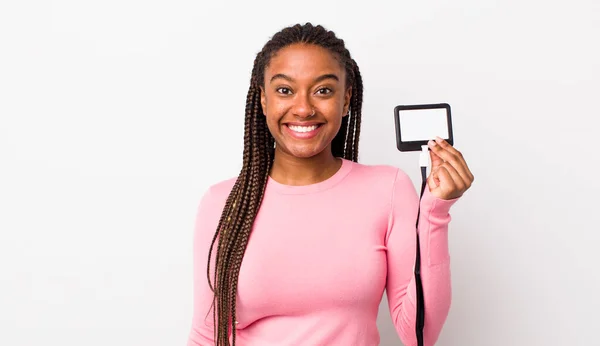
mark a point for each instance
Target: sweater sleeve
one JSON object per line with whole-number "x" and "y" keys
{"x": 207, "y": 218}
{"x": 435, "y": 260}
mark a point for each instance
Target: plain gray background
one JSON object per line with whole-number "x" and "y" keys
{"x": 116, "y": 115}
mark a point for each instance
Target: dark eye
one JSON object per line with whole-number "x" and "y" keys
{"x": 324, "y": 91}
{"x": 284, "y": 91}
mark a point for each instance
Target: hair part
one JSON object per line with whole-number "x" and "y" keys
{"x": 241, "y": 207}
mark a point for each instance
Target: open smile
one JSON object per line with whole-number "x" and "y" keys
{"x": 303, "y": 131}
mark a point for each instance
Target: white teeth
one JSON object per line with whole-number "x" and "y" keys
{"x": 302, "y": 128}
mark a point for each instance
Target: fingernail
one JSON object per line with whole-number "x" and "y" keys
{"x": 438, "y": 139}
{"x": 431, "y": 143}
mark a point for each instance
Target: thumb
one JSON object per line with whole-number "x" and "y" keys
{"x": 436, "y": 161}
{"x": 433, "y": 180}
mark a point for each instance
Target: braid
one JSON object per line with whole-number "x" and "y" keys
{"x": 243, "y": 202}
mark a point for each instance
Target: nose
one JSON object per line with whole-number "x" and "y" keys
{"x": 302, "y": 106}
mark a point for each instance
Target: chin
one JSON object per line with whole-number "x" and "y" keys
{"x": 304, "y": 152}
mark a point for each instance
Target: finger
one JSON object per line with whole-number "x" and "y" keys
{"x": 446, "y": 182}
{"x": 458, "y": 180}
{"x": 457, "y": 154}
{"x": 444, "y": 144}
{"x": 449, "y": 154}
{"x": 436, "y": 161}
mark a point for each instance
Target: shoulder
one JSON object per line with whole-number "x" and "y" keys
{"x": 209, "y": 209}
{"x": 379, "y": 174}
{"x": 217, "y": 193}
{"x": 380, "y": 182}
{"x": 221, "y": 189}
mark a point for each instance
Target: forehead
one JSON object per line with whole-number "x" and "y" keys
{"x": 304, "y": 61}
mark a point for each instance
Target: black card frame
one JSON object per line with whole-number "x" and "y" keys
{"x": 416, "y": 145}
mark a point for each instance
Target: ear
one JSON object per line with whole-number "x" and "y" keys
{"x": 263, "y": 100}
{"x": 347, "y": 98}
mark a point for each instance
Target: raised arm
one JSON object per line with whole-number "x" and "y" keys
{"x": 435, "y": 265}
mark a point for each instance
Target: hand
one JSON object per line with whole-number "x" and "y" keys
{"x": 450, "y": 177}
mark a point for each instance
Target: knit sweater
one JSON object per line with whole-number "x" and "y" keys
{"x": 321, "y": 256}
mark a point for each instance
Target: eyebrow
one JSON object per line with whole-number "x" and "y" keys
{"x": 317, "y": 80}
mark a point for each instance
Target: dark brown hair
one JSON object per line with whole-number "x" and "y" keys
{"x": 246, "y": 195}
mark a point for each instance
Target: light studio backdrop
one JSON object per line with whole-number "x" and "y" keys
{"x": 115, "y": 116}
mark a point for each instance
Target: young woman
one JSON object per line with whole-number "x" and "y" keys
{"x": 299, "y": 248}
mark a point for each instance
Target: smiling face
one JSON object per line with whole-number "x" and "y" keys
{"x": 304, "y": 99}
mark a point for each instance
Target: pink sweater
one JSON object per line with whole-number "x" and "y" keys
{"x": 320, "y": 257}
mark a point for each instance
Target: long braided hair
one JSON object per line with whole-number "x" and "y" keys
{"x": 246, "y": 195}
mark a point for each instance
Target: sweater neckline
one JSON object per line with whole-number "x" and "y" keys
{"x": 312, "y": 188}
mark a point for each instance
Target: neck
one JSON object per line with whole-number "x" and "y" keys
{"x": 291, "y": 170}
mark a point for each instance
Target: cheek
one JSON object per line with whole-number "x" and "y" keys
{"x": 334, "y": 111}
{"x": 276, "y": 109}
{"x": 274, "y": 115}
